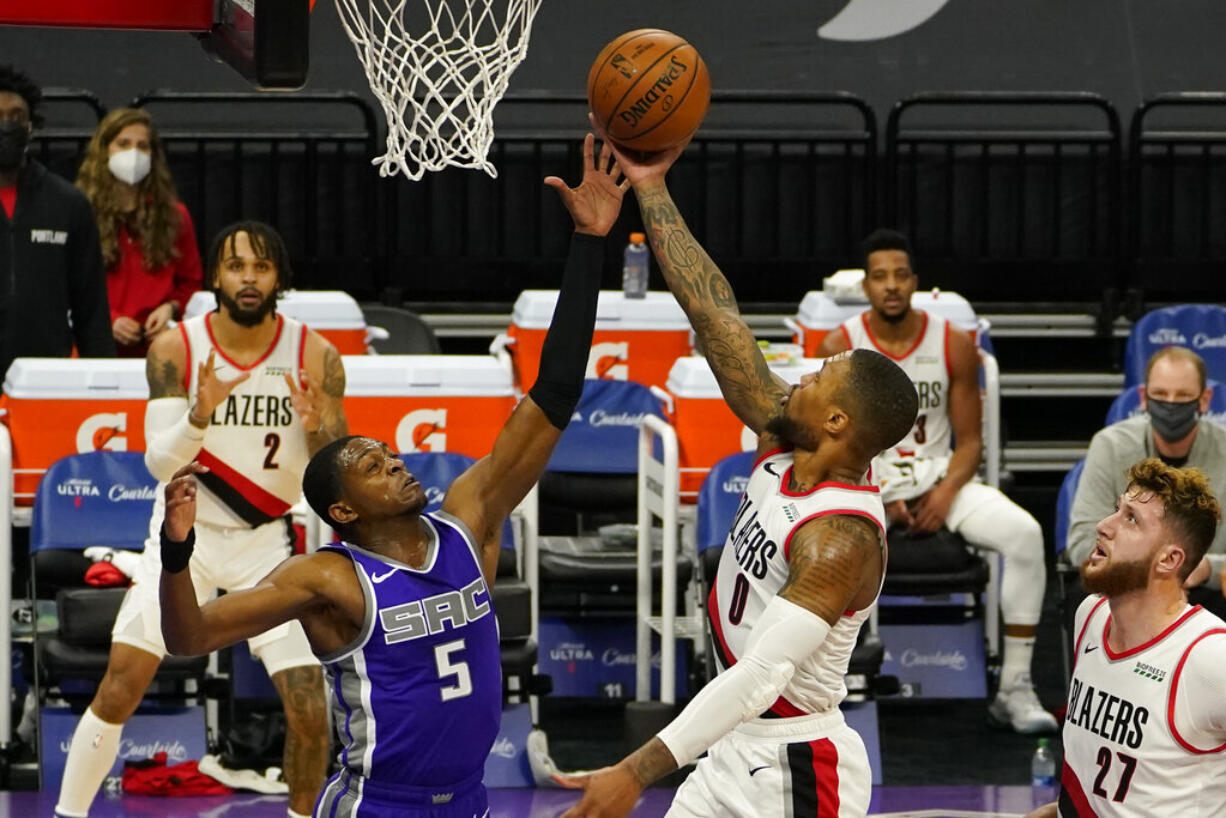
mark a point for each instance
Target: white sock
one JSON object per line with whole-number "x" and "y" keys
{"x": 90, "y": 757}
{"x": 289, "y": 813}
{"x": 1015, "y": 665}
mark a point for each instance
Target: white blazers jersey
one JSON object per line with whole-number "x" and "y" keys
{"x": 255, "y": 446}
{"x": 754, "y": 567}
{"x": 1123, "y": 754}
{"x": 921, "y": 458}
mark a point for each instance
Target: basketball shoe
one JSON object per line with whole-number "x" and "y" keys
{"x": 1019, "y": 709}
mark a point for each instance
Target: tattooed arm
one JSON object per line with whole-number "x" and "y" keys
{"x": 834, "y": 565}
{"x": 749, "y": 387}
{"x": 318, "y": 397}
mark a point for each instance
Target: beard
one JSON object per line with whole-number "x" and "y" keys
{"x": 247, "y": 317}
{"x": 783, "y": 427}
{"x": 893, "y": 318}
{"x": 1115, "y": 578}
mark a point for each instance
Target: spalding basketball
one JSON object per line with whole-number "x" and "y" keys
{"x": 649, "y": 89}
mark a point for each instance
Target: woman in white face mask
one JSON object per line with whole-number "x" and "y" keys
{"x": 148, "y": 241}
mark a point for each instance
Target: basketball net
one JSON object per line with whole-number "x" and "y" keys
{"x": 438, "y": 88}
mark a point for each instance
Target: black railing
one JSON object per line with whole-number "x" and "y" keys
{"x": 778, "y": 186}
{"x": 1177, "y": 201}
{"x": 305, "y": 170}
{"x": 71, "y": 116}
{"x": 1008, "y": 196}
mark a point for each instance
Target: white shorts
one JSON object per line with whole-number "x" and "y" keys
{"x": 229, "y": 559}
{"x": 803, "y": 767}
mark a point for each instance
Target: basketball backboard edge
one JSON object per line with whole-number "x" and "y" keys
{"x": 267, "y": 41}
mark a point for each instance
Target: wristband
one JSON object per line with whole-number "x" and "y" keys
{"x": 176, "y": 555}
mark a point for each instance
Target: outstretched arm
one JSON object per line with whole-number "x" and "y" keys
{"x": 751, "y": 390}
{"x": 485, "y": 494}
{"x": 190, "y": 630}
{"x": 835, "y": 565}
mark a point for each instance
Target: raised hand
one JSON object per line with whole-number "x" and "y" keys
{"x": 211, "y": 390}
{"x": 642, "y": 167}
{"x": 180, "y": 496}
{"x": 595, "y": 203}
{"x": 308, "y": 402}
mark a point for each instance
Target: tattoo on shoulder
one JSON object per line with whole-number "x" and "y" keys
{"x": 827, "y": 563}
{"x": 165, "y": 380}
{"x": 334, "y": 374}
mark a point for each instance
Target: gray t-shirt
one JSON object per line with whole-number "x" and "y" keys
{"x": 1112, "y": 451}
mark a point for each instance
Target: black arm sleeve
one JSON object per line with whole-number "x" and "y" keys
{"x": 569, "y": 340}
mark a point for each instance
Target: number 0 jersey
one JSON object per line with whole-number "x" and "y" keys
{"x": 1124, "y": 756}
{"x": 255, "y": 446}
{"x": 417, "y": 697}
{"x": 754, "y": 567}
{"x": 920, "y": 459}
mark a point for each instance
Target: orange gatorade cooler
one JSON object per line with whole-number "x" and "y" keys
{"x": 636, "y": 339}
{"x": 707, "y": 431}
{"x": 429, "y": 403}
{"x": 820, "y": 314}
{"x": 332, "y": 313}
{"x": 62, "y": 406}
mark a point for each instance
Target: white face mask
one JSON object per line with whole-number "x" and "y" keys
{"x": 130, "y": 166}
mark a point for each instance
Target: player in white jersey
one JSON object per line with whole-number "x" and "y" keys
{"x": 251, "y": 395}
{"x": 1146, "y": 724}
{"x": 928, "y": 479}
{"x": 801, "y": 570}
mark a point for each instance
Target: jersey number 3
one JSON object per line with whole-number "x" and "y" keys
{"x": 459, "y": 669}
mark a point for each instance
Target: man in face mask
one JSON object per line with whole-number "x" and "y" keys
{"x": 1174, "y": 397}
{"x": 52, "y": 281}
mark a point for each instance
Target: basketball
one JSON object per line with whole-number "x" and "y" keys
{"x": 649, "y": 89}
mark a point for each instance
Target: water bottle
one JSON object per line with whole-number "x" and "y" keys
{"x": 634, "y": 267}
{"x": 1043, "y": 765}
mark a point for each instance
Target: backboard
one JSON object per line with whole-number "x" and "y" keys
{"x": 264, "y": 40}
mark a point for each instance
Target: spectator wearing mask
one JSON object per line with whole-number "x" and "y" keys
{"x": 147, "y": 238}
{"x": 52, "y": 283}
{"x": 1174, "y": 396}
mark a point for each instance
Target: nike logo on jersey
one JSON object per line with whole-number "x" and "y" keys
{"x": 377, "y": 578}
{"x": 1090, "y": 648}
{"x": 755, "y": 769}
{"x": 770, "y": 468}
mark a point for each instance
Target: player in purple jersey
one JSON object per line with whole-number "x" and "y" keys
{"x": 400, "y": 613}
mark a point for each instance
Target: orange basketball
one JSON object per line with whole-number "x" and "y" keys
{"x": 649, "y": 89}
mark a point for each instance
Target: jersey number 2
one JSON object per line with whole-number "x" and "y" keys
{"x": 459, "y": 669}
{"x": 272, "y": 442}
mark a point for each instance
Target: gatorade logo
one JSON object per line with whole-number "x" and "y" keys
{"x": 608, "y": 360}
{"x": 103, "y": 431}
{"x": 422, "y": 430}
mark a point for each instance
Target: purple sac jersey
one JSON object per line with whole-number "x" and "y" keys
{"x": 417, "y": 696}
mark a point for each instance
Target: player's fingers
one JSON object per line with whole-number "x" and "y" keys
{"x": 191, "y": 468}
{"x": 293, "y": 387}
{"x": 570, "y": 782}
{"x": 589, "y": 143}
{"x": 209, "y": 361}
{"x": 607, "y": 161}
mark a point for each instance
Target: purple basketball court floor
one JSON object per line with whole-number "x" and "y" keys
{"x": 888, "y": 802}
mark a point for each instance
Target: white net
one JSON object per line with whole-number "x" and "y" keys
{"x": 438, "y": 68}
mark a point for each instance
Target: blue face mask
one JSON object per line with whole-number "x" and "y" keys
{"x": 1172, "y": 421}
{"x": 14, "y": 137}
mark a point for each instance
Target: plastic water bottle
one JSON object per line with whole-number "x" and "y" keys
{"x": 1043, "y": 765}
{"x": 634, "y": 267}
